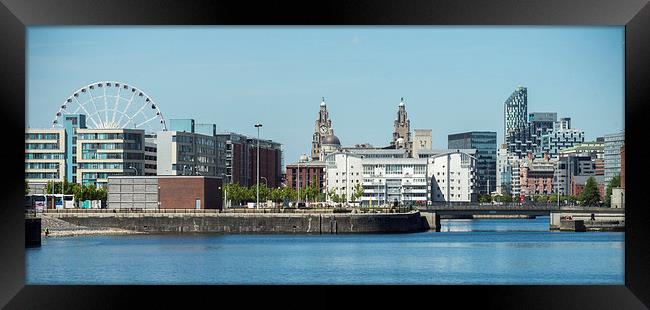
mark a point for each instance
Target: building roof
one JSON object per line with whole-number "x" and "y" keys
{"x": 582, "y": 179}
{"x": 435, "y": 152}
{"x": 313, "y": 163}
{"x": 331, "y": 140}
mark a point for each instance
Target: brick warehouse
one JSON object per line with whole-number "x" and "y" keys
{"x": 164, "y": 192}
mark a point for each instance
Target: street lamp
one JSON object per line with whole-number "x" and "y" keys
{"x": 135, "y": 169}
{"x": 258, "y": 125}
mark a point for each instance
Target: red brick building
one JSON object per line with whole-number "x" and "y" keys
{"x": 536, "y": 176}
{"x": 241, "y": 160}
{"x": 305, "y": 172}
{"x": 578, "y": 185}
{"x": 189, "y": 192}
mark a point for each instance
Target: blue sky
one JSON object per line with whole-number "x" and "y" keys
{"x": 453, "y": 79}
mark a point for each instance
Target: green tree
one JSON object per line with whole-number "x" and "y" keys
{"x": 26, "y": 188}
{"x": 485, "y": 198}
{"x": 334, "y": 196}
{"x": 590, "y": 195}
{"x": 614, "y": 182}
{"x": 358, "y": 192}
{"x": 541, "y": 199}
{"x": 506, "y": 199}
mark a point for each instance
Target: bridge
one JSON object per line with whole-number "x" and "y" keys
{"x": 555, "y": 212}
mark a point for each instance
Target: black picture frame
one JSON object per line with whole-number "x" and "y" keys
{"x": 16, "y": 15}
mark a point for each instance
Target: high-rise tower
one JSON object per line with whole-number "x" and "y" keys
{"x": 516, "y": 131}
{"x": 402, "y": 131}
{"x": 322, "y": 129}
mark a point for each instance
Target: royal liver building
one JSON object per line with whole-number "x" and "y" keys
{"x": 322, "y": 129}
{"x": 402, "y": 129}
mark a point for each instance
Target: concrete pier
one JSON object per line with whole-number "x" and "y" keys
{"x": 256, "y": 223}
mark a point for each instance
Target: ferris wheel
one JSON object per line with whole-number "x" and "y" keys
{"x": 112, "y": 105}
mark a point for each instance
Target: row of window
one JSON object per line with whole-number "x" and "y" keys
{"x": 41, "y": 165}
{"x": 41, "y": 136}
{"x": 91, "y": 154}
{"x": 111, "y": 146}
{"x": 41, "y": 175}
{"x": 110, "y": 136}
{"x": 44, "y": 156}
{"x": 109, "y": 165}
{"x": 41, "y": 146}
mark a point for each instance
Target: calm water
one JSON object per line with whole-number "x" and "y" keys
{"x": 466, "y": 252}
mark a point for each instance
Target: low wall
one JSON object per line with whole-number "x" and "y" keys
{"x": 252, "y": 223}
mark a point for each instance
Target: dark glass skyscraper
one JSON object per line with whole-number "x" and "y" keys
{"x": 485, "y": 142}
{"x": 517, "y": 132}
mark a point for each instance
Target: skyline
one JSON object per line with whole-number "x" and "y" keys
{"x": 361, "y": 71}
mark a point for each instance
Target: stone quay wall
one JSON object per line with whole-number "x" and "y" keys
{"x": 259, "y": 223}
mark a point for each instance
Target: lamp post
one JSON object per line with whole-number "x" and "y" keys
{"x": 258, "y": 125}
{"x": 135, "y": 169}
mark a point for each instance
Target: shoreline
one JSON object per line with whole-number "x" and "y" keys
{"x": 91, "y": 232}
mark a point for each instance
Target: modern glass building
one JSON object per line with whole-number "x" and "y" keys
{"x": 517, "y": 133}
{"x": 485, "y": 143}
{"x": 613, "y": 143}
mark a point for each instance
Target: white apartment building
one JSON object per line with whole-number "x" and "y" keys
{"x": 45, "y": 157}
{"x": 452, "y": 177}
{"x": 504, "y": 171}
{"x": 390, "y": 180}
{"x": 343, "y": 171}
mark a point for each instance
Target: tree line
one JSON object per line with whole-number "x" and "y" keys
{"x": 80, "y": 192}
{"x": 590, "y": 195}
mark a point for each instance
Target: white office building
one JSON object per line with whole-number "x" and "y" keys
{"x": 390, "y": 180}
{"x": 452, "y": 177}
{"x": 343, "y": 172}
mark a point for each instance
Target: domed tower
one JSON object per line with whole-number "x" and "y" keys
{"x": 330, "y": 144}
{"x": 402, "y": 129}
{"x": 322, "y": 129}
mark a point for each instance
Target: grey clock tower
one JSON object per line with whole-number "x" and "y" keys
{"x": 322, "y": 129}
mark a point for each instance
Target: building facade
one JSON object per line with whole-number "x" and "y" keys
{"x": 240, "y": 160}
{"x": 422, "y": 140}
{"x": 45, "y": 157}
{"x": 540, "y": 124}
{"x": 165, "y": 192}
{"x": 536, "y": 176}
{"x": 612, "y": 155}
{"x": 304, "y": 173}
{"x": 108, "y": 152}
{"x": 344, "y": 172}
{"x": 485, "y": 143}
{"x": 452, "y": 177}
{"x": 516, "y": 134}
{"x": 394, "y": 180}
{"x": 561, "y": 137}
{"x": 186, "y": 153}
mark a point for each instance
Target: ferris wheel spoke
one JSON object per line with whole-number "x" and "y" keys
{"x": 84, "y": 108}
{"x": 117, "y": 104}
{"x": 92, "y": 99}
{"x": 149, "y": 120}
{"x": 126, "y": 108}
{"x": 105, "y": 105}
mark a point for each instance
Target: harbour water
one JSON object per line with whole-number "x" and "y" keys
{"x": 504, "y": 251}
